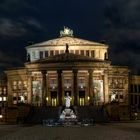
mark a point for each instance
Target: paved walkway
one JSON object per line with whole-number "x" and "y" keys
{"x": 111, "y": 131}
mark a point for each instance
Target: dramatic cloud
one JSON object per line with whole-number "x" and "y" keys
{"x": 34, "y": 23}
{"x": 122, "y": 32}
{"x": 10, "y": 28}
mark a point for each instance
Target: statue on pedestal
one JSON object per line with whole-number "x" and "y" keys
{"x": 67, "y": 100}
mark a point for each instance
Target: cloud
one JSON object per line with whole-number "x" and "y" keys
{"x": 34, "y": 22}
{"x": 122, "y": 32}
{"x": 9, "y": 28}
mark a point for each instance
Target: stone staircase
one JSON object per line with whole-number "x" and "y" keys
{"x": 97, "y": 113}
{"x": 38, "y": 114}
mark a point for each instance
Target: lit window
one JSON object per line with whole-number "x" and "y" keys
{"x": 33, "y": 54}
{"x": 4, "y": 98}
{"x": 4, "y": 90}
{"x": 19, "y": 85}
{"x": 14, "y": 94}
{"x": 24, "y": 84}
{"x": 0, "y": 99}
{"x": 14, "y": 85}
{"x": 14, "y": 102}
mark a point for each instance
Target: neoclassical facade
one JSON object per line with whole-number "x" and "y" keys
{"x": 67, "y": 64}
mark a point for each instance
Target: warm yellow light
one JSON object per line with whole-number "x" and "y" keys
{"x": 1, "y": 116}
{"x": 47, "y": 98}
{"x": 88, "y": 97}
{"x": 0, "y": 98}
{"x": 4, "y": 98}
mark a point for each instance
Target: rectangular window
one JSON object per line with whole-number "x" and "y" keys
{"x": 61, "y": 51}
{"x": 82, "y": 52}
{"x": 41, "y": 54}
{"x": 24, "y": 85}
{"x": 76, "y": 51}
{"x": 121, "y": 96}
{"x": 71, "y": 51}
{"x": 56, "y": 52}
{"x": 14, "y": 85}
{"x": 51, "y": 53}
{"x": 20, "y": 85}
{"x": 87, "y": 52}
{"x": 46, "y": 54}
{"x": 135, "y": 88}
{"x": 14, "y": 98}
{"x": 131, "y": 88}
{"x": 15, "y": 102}
{"x": 92, "y": 53}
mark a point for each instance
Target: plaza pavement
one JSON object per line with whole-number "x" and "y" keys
{"x": 109, "y": 131}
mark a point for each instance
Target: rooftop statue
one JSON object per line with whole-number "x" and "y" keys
{"x": 66, "y": 32}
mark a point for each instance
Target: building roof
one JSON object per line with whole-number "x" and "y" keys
{"x": 66, "y": 37}
{"x": 62, "y": 41}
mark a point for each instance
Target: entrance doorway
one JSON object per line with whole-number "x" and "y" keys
{"x": 53, "y": 98}
{"x": 82, "y": 98}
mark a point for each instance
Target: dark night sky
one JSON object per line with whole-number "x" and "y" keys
{"x": 115, "y": 21}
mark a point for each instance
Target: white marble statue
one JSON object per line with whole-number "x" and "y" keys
{"x": 67, "y": 100}
{"x": 113, "y": 97}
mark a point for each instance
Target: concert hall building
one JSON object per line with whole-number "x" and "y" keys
{"x": 69, "y": 64}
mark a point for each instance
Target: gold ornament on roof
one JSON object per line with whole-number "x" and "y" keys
{"x": 66, "y": 32}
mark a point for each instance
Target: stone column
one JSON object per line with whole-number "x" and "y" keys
{"x": 90, "y": 72}
{"x": 44, "y": 88}
{"x": 29, "y": 90}
{"x": 75, "y": 87}
{"x": 106, "y": 88}
{"x": 59, "y": 72}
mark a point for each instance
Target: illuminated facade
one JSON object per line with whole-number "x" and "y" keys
{"x": 68, "y": 64}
